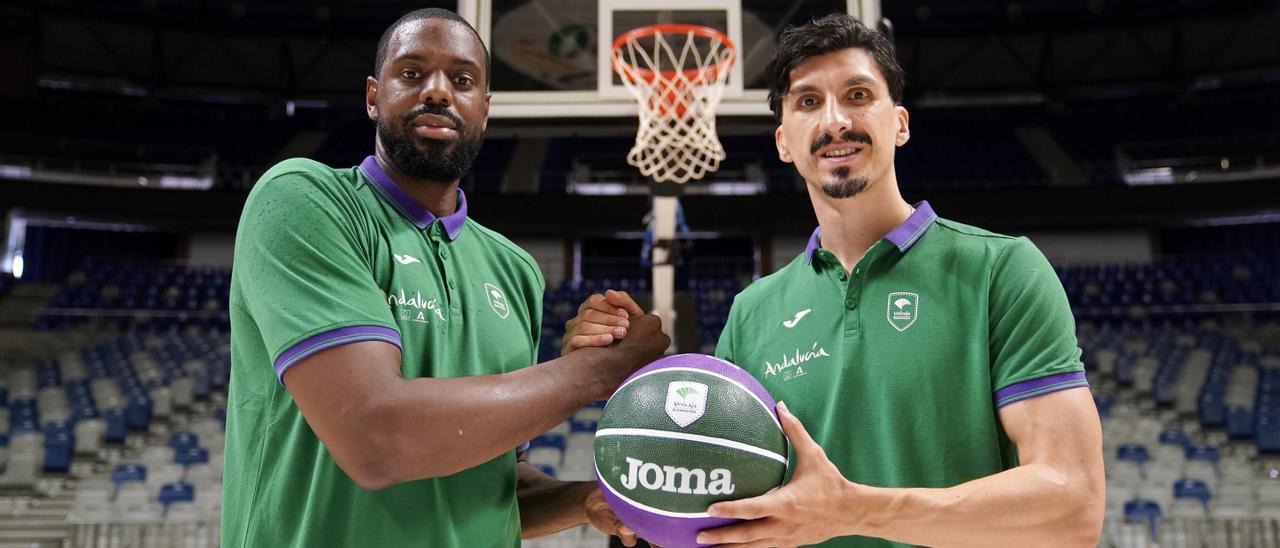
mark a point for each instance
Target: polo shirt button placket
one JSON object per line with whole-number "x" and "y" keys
{"x": 449, "y": 277}
{"x": 851, "y": 303}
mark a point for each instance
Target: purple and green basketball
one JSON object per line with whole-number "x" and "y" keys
{"x": 684, "y": 432}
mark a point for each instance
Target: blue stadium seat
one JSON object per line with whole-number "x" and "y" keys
{"x": 1133, "y": 452}
{"x": 191, "y": 455}
{"x": 582, "y": 425}
{"x": 1174, "y": 437}
{"x": 181, "y": 441}
{"x": 19, "y": 425}
{"x": 176, "y": 492}
{"x": 1104, "y": 402}
{"x": 117, "y": 428}
{"x": 548, "y": 440}
{"x": 1212, "y": 410}
{"x": 1207, "y": 453}
{"x": 128, "y": 472}
{"x": 1267, "y": 434}
{"x": 137, "y": 412}
{"x": 1141, "y": 510}
{"x": 59, "y": 447}
{"x": 1239, "y": 423}
{"x": 1192, "y": 489}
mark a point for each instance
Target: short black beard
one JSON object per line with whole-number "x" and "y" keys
{"x": 442, "y": 162}
{"x": 844, "y": 186}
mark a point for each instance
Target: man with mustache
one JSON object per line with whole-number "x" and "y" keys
{"x": 927, "y": 371}
{"x": 381, "y": 339}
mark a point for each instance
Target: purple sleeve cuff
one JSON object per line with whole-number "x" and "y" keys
{"x": 330, "y": 339}
{"x": 1039, "y": 386}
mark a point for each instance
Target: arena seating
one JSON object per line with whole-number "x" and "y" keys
{"x": 1176, "y": 282}
{"x": 126, "y": 435}
{"x": 1190, "y": 427}
{"x": 128, "y": 430}
{"x": 112, "y": 285}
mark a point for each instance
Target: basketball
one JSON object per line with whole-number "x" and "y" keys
{"x": 680, "y": 434}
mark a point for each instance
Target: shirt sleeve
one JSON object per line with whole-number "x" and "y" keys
{"x": 305, "y": 272}
{"x": 535, "y": 312}
{"x": 1032, "y": 332}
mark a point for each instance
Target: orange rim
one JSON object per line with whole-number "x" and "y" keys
{"x": 695, "y": 74}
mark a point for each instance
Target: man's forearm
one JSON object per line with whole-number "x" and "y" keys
{"x": 1030, "y": 505}
{"x": 432, "y": 427}
{"x": 548, "y": 505}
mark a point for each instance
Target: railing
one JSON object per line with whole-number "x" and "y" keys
{"x": 1144, "y": 311}
{"x": 1166, "y": 533}
{"x": 1193, "y": 533}
{"x": 144, "y": 533}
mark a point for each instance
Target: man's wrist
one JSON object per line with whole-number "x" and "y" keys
{"x": 872, "y": 508}
{"x": 580, "y": 493}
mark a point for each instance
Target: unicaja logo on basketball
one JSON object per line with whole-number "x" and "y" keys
{"x": 686, "y": 402}
{"x": 673, "y": 479}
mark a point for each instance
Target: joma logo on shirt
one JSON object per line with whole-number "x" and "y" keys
{"x": 672, "y": 479}
{"x": 415, "y": 308}
{"x": 794, "y": 360}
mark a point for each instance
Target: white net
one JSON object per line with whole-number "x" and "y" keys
{"x": 678, "y": 78}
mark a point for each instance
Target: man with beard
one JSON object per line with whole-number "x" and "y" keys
{"x": 381, "y": 340}
{"x": 934, "y": 363}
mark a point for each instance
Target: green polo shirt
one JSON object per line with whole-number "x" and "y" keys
{"x": 898, "y": 368}
{"x": 326, "y": 257}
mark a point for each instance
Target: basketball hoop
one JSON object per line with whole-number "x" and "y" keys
{"x": 677, "y": 74}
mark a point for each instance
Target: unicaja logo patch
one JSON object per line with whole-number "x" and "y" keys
{"x": 686, "y": 402}
{"x": 497, "y": 301}
{"x": 904, "y": 309}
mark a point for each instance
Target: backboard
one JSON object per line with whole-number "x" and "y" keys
{"x": 550, "y": 56}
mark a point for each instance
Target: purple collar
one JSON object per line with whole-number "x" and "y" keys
{"x": 904, "y": 236}
{"x": 412, "y": 210}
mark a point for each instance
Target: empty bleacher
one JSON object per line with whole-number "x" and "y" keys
{"x": 121, "y": 437}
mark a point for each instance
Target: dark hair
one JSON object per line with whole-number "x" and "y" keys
{"x": 834, "y": 32}
{"x": 418, "y": 15}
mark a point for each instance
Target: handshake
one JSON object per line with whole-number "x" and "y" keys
{"x": 614, "y": 325}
